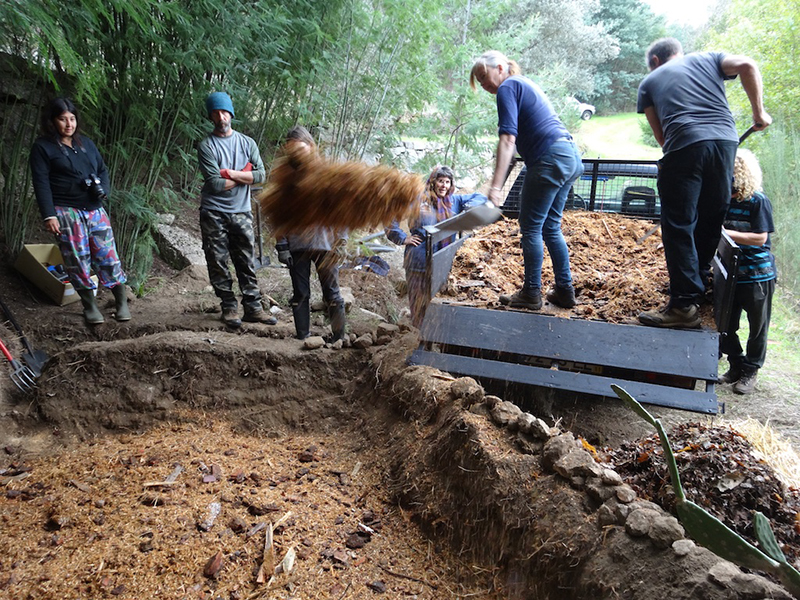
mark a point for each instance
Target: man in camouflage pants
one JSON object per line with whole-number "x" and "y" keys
{"x": 230, "y": 162}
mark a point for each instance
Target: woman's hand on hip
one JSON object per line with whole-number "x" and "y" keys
{"x": 413, "y": 240}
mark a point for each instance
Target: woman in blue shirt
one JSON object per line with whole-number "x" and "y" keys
{"x": 527, "y": 120}
{"x": 437, "y": 204}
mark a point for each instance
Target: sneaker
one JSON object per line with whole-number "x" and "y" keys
{"x": 230, "y": 316}
{"x": 523, "y": 299}
{"x": 672, "y": 316}
{"x": 260, "y": 317}
{"x": 746, "y": 384}
{"x": 562, "y": 296}
{"x": 732, "y": 375}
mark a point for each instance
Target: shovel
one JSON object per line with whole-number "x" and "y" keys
{"x": 21, "y": 375}
{"x": 35, "y": 359}
{"x": 474, "y": 218}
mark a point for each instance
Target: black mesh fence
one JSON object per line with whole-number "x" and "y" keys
{"x": 626, "y": 187}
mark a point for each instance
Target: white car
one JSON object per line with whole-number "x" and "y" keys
{"x": 586, "y": 111}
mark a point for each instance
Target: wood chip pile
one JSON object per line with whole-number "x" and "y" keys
{"x": 618, "y": 270}
{"x": 185, "y": 512}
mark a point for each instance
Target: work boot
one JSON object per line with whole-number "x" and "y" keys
{"x": 230, "y": 316}
{"x": 562, "y": 296}
{"x": 259, "y": 316}
{"x": 732, "y": 375}
{"x": 672, "y": 316}
{"x": 523, "y": 299}
{"x": 122, "y": 313}
{"x": 746, "y": 383}
{"x": 91, "y": 313}
{"x": 336, "y": 314}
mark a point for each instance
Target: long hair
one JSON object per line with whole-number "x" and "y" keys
{"x": 490, "y": 60}
{"x": 747, "y": 176}
{"x": 54, "y": 109}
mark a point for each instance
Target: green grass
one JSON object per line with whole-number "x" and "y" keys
{"x": 617, "y": 136}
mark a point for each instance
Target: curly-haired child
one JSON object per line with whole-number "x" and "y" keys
{"x": 749, "y": 223}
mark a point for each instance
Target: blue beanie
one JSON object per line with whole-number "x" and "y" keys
{"x": 219, "y": 101}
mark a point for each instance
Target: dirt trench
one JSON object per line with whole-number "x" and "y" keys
{"x": 490, "y": 503}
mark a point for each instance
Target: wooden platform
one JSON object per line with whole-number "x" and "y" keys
{"x": 656, "y": 366}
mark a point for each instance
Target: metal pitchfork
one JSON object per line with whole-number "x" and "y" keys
{"x": 22, "y": 376}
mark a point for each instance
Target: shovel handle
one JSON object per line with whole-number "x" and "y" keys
{"x": 747, "y": 133}
{"x": 5, "y": 352}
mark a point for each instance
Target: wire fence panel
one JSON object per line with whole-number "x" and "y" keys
{"x": 619, "y": 186}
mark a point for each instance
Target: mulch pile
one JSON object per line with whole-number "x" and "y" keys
{"x": 618, "y": 270}
{"x": 117, "y": 518}
{"x": 721, "y": 472}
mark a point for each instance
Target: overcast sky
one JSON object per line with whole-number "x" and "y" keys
{"x": 685, "y": 12}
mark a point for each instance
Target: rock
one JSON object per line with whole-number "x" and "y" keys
{"x": 524, "y": 422}
{"x": 313, "y": 342}
{"x": 467, "y": 389}
{"x": 526, "y": 443}
{"x": 365, "y": 341}
{"x": 598, "y": 491}
{"x": 348, "y": 297}
{"x": 665, "y": 530}
{"x": 640, "y": 521}
{"x": 723, "y": 573}
{"x": 382, "y": 340}
{"x": 491, "y": 401}
{"x": 480, "y": 409}
{"x": 387, "y": 329}
{"x": 540, "y": 430}
{"x": 505, "y": 412}
{"x": 577, "y": 482}
{"x": 556, "y": 447}
{"x": 576, "y": 462}
{"x": 607, "y": 513}
{"x": 682, "y": 547}
{"x": 611, "y": 477}
{"x": 625, "y": 494}
{"x": 640, "y": 504}
{"x": 338, "y": 344}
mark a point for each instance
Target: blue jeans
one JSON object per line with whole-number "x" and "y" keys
{"x": 544, "y": 194}
{"x": 695, "y": 188}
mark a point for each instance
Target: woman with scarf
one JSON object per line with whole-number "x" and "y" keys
{"x": 437, "y": 204}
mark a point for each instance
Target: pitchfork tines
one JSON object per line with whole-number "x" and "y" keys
{"x": 22, "y": 376}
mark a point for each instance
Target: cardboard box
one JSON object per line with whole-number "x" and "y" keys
{"x": 33, "y": 263}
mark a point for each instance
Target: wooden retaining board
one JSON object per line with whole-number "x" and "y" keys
{"x": 683, "y": 354}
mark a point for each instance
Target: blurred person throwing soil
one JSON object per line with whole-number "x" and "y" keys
{"x": 437, "y": 204}
{"x": 319, "y": 245}
{"x": 230, "y": 163}
{"x": 71, "y": 182}
{"x": 527, "y": 120}
{"x": 684, "y": 101}
{"x": 749, "y": 223}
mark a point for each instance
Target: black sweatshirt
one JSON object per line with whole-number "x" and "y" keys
{"x": 59, "y": 171}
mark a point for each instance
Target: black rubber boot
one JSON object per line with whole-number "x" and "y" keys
{"x": 302, "y": 321}
{"x": 91, "y": 313}
{"x": 122, "y": 312}
{"x": 337, "y": 317}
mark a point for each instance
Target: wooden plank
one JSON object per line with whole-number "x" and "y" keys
{"x": 686, "y": 353}
{"x": 648, "y": 393}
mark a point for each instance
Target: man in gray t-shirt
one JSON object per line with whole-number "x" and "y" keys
{"x": 684, "y": 101}
{"x": 230, "y": 163}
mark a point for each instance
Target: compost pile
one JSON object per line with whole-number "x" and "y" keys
{"x": 721, "y": 472}
{"x": 618, "y": 270}
{"x": 184, "y": 512}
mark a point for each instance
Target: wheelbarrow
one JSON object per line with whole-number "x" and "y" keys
{"x": 22, "y": 376}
